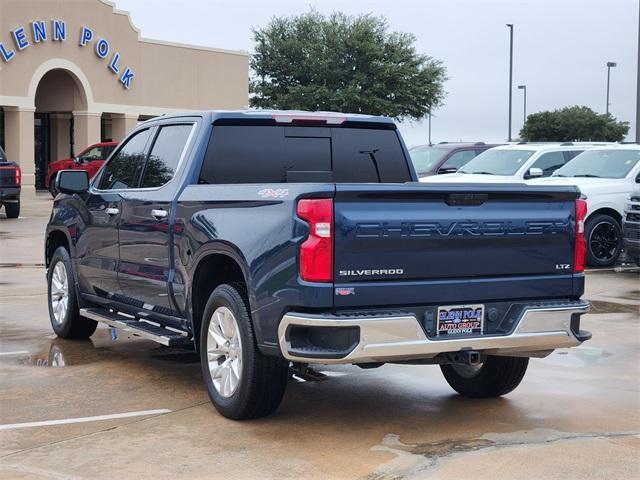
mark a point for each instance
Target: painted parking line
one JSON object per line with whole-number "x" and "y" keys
{"x": 46, "y": 423}
{"x": 17, "y": 352}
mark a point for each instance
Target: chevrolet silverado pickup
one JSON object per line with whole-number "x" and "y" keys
{"x": 10, "y": 184}
{"x": 270, "y": 240}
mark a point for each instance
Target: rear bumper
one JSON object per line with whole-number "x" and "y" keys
{"x": 9, "y": 194}
{"x": 398, "y": 337}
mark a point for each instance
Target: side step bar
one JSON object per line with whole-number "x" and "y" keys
{"x": 141, "y": 328}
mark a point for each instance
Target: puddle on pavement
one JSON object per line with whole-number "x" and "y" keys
{"x": 416, "y": 459}
{"x": 21, "y": 265}
{"x": 62, "y": 353}
{"x": 577, "y": 357}
{"x": 598, "y": 306}
{"x": 57, "y": 353}
{"x": 631, "y": 295}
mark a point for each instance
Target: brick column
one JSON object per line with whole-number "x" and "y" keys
{"x": 121, "y": 125}
{"x": 19, "y": 143}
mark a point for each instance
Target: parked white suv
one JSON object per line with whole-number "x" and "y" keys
{"x": 607, "y": 176}
{"x": 515, "y": 163}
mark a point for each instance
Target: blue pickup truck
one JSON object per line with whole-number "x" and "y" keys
{"x": 274, "y": 239}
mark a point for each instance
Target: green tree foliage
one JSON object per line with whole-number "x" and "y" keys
{"x": 573, "y": 124}
{"x": 343, "y": 63}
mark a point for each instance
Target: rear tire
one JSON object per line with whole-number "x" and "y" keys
{"x": 12, "y": 209}
{"x": 495, "y": 377}
{"x": 604, "y": 240}
{"x": 242, "y": 382}
{"x": 63, "y": 303}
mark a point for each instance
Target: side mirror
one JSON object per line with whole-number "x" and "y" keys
{"x": 638, "y": 178}
{"x": 535, "y": 172}
{"x": 77, "y": 160}
{"x": 72, "y": 181}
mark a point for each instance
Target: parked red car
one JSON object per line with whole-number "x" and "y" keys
{"x": 90, "y": 159}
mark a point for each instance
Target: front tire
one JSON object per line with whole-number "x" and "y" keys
{"x": 12, "y": 209}
{"x": 242, "y": 382}
{"x": 63, "y": 303}
{"x": 604, "y": 240}
{"x": 495, "y": 377}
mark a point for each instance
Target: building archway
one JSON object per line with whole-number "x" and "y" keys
{"x": 59, "y": 94}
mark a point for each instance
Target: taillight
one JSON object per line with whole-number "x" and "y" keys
{"x": 581, "y": 243}
{"x": 316, "y": 252}
{"x": 18, "y": 176}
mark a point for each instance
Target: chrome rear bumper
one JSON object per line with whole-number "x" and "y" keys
{"x": 388, "y": 338}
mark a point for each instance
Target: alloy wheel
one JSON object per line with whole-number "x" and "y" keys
{"x": 59, "y": 297}
{"x": 604, "y": 241}
{"x": 224, "y": 351}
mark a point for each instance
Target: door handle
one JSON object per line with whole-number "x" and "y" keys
{"x": 159, "y": 214}
{"x": 112, "y": 211}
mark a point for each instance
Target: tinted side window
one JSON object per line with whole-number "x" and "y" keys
{"x": 358, "y": 151}
{"x": 265, "y": 154}
{"x": 124, "y": 169}
{"x": 105, "y": 152}
{"x": 459, "y": 159}
{"x": 165, "y": 154}
{"x": 569, "y": 154}
{"x": 549, "y": 162}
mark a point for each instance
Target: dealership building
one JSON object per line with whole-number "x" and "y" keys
{"x": 77, "y": 72}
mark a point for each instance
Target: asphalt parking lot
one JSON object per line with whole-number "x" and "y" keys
{"x": 576, "y": 414}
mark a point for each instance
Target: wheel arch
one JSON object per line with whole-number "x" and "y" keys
{"x": 213, "y": 267}
{"x": 56, "y": 238}
{"x": 610, "y": 211}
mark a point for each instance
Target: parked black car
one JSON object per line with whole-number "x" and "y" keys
{"x": 10, "y": 180}
{"x": 631, "y": 229}
{"x": 445, "y": 157}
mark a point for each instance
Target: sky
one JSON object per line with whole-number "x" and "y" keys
{"x": 561, "y": 49}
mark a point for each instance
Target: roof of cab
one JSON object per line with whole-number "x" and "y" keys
{"x": 281, "y": 116}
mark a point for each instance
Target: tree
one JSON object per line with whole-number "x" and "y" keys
{"x": 342, "y": 63}
{"x": 573, "y": 123}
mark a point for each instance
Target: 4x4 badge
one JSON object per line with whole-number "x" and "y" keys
{"x": 273, "y": 193}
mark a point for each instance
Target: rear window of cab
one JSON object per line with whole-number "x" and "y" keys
{"x": 293, "y": 154}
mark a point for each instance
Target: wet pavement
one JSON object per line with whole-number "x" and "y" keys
{"x": 576, "y": 414}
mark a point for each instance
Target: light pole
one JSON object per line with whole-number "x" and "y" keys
{"x": 510, "y": 26}
{"x": 524, "y": 88}
{"x": 609, "y": 65}
{"x": 430, "y": 126}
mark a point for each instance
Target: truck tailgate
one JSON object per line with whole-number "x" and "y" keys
{"x": 8, "y": 174}
{"x": 494, "y": 241}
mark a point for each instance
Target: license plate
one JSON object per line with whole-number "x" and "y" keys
{"x": 460, "y": 320}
